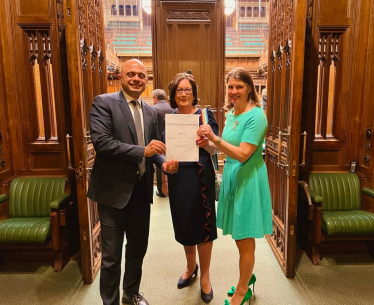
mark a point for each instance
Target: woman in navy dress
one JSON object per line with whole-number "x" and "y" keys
{"x": 192, "y": 192}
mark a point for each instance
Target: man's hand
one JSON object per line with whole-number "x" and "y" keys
{"x": 153, "y": 148}
{"x": 170, "y": 167}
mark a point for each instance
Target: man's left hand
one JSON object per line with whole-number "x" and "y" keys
{"x": 170, "y": 167}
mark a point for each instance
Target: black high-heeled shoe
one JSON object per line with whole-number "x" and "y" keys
{"x": 184, "y": 283}
{"x": 207, "y": 297}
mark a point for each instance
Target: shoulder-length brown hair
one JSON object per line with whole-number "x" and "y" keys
{"x": 243, "y": 75}
{"x": 174, "y": 85}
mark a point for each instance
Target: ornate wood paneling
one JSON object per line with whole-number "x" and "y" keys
{"x": 190, "y": 35}
{"x": 45, "y": 47}
{"x": 286, "y": 58}
{"x": 365, "y": 71}
{"x": 33, "y": 81}
{"x": 5, "y": 144}
{"x": 338, "y": 113}
{"x": 85, "y": 82}
{"x": 28, "y": 10}
{"x": 336, "y": 94}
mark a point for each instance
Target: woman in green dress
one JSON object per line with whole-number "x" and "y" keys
{"x": 244, "y": 205}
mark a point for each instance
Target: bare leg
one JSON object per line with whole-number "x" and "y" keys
{"x": 205, "y": 254}
{"x": 190, "y": 252}
{"x": 246, "y": 263}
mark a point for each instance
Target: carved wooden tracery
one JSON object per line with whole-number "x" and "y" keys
{"x": 99, "y": 38}
{"x": 60, "y": 20}
{"x": 90, "y": 25}
{"x": 33, "y": 47}
{"x": 91, "y": 16}
{"x": 40, "y": 53}
{"x": 274, "y": 25}
{"x": 327, "y": 83}
{"x": 188, "y": 15}
{"x": 279, "y": 108}
{"x": 46, "y": 43}
{"x": 218, "y": 2}
{"x": 83, "y": 32}
{"x": 281, "y": 22}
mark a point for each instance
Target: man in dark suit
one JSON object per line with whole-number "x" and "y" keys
{"x": 162, "y": 107}
{"x": 125, "y": 136}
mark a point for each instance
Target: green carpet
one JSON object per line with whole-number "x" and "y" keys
{"x": 341, "y": 279}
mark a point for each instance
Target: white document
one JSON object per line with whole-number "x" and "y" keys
{"x": 180, "y": 137}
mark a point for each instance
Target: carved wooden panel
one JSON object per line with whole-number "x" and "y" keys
{"x": 29, "y": 8}
{"x": 5, "y": 147}
{"x": 45, "y": 160}
{"x": 86, "y": 82}
{"x": 337, "y": 94}
{"x": 286, "y": 41}
{"x": 189, "y": 35}
{"x": 35, "y": 108}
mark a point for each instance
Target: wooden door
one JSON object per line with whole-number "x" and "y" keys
{"x": 87, "y": 78}
{"x": 285, "y": 84}
{"x": 339, "y": 115}
{"x": 5, "y": 147}
{"x": 190, "y": 35}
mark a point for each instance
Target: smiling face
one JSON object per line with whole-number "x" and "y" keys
{"x": 133, "y": 78}
{"x": 237, "y": 92}
{"x": 184, "y": 94}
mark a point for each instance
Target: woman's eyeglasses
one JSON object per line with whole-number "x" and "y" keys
{"x": 188, "y": 91}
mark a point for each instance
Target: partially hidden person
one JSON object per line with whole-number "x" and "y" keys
{"x": 162, "y": 107}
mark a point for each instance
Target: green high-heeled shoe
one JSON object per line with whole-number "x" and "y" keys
{"x": 252, "y": 281}
{"x": 246, "y": 298}
{"x": 231, "y": 292}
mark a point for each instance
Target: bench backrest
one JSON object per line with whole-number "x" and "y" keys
{"x": 31, "y": 196}
{"x": 340, "y": 191}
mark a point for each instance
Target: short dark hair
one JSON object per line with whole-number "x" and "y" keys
{"x": 243, "y": 75}
{"x": 159, "y": 94}
{"x": 174, "y": 85}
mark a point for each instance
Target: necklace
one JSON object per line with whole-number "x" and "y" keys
{"x": 236, "y": 123}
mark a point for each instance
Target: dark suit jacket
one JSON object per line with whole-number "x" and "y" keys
{"x": 162, "y": 108}
{"x": 117, "y": 153}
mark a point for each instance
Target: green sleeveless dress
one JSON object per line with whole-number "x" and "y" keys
{"x": 244, "y": 204}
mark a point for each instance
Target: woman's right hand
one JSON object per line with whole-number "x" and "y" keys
{"x": 206, "y": 131}
{"x": 203, "y": 142}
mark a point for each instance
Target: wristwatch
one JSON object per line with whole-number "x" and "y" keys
{"x": 218, "y": 140}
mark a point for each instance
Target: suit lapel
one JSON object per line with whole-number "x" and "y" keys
{"x": 128, "y": 116}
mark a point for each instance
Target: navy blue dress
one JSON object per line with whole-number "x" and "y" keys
{"x": 192, "y": 197}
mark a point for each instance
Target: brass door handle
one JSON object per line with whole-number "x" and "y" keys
{"x": 304, "y": 148}
{"x": 79, "y": 170}
{"x": 68, "y": 137}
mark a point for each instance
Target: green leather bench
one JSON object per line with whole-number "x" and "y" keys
{"x": 335, "y": 209}
{"x": 36, "y": 209}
